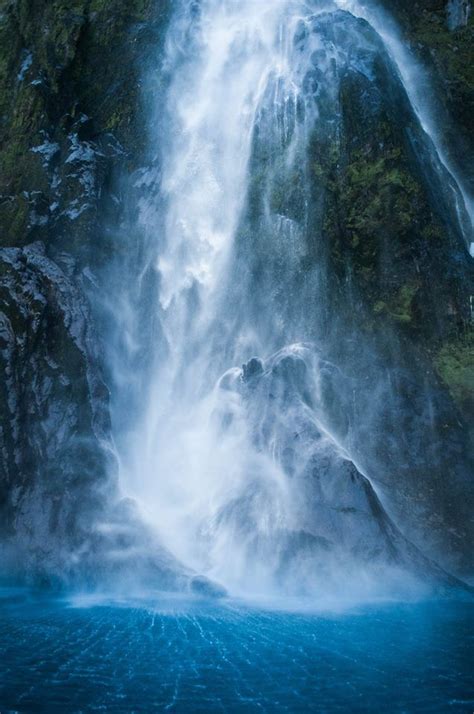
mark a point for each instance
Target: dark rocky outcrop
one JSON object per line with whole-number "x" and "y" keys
{"x": 56, "y": 402}
{"x": 71, "y": 122}
{"x": 71, "y": 116}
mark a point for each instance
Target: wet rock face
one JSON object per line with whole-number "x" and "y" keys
{"x": 55, "y": 449}
{"x": 71, "y": 112}
{"x": 71, "y": 122}
{"x": 459, "y": 12}
{"x": 376, "y": 273}
{"x": 440, "y": 33}
{"x": 62, "y": 518}
{"x": 313, "y": 517}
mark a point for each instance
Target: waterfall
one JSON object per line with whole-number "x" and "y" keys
{"x": 240, "y": 66}
{"x": 236, "y": 459}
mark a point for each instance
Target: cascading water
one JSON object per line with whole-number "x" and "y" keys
{"x": 240, "y": 60}
{"x": 235, "y": 413}
{"x": 248, "y": 474}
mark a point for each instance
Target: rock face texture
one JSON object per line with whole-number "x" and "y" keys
{"x": 440, "y": 32}
{"x": 324, "y": 521}
{"x": 70, "y": 104}
{"x": 71, "y": 108}
{"x": 62, "y": 518}
{"x": 56, "y": 423}
{"x": 72, "y": 130}
{"x": 399, "y": 273}
{"x": 370, "y": 215}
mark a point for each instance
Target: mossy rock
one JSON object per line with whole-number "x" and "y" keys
{"x": 81, "y": 75}
{"x": 448, "y": 55}
{"x": 455, "y": 365}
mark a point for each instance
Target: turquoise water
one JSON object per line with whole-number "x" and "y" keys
{"x": 194, "y": 656}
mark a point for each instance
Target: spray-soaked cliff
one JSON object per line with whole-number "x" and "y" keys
{"x": 191, "y": 187}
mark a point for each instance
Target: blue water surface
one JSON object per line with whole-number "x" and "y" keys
{"x": 182, "y": 655}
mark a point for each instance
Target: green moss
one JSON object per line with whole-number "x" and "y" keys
{"x": 400, "y": 307}
{"x": 454, "y": 49}
{"x": 377, "y": 192}
{"x": 380, "y": 307}
{"x": 373, "y": 201}
{"x": 382, "y": 234}
{"x": 455, "y": 365}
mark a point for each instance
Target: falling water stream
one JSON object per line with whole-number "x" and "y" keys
{"x": 241, "y": 470}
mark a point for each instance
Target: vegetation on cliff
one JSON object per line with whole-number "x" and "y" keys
{"x": 71, "y": 108}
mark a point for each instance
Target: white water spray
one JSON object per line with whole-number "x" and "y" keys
{"x": 211, "y": 459}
